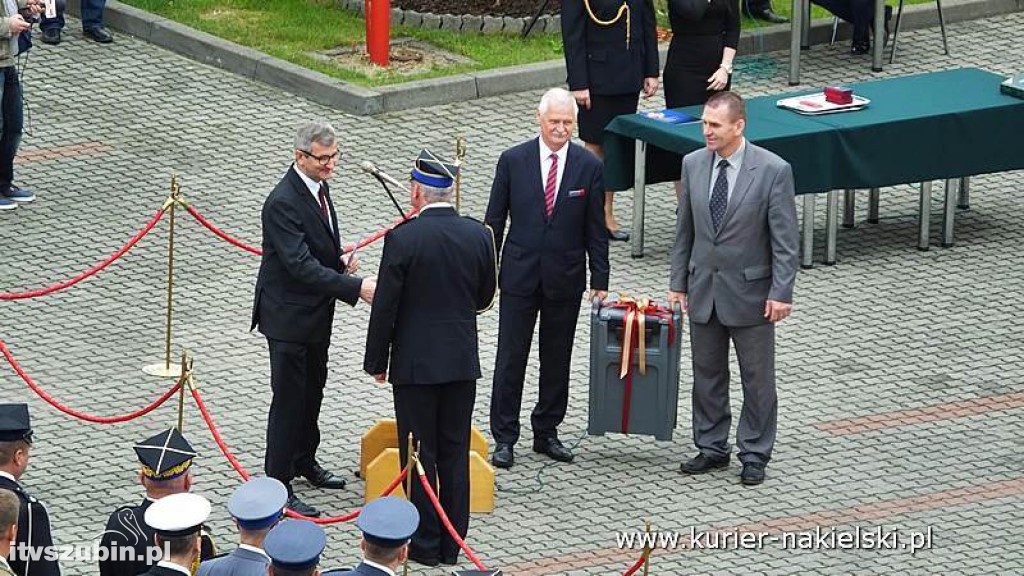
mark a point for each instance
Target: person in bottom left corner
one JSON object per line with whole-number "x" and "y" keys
{"x": 33, "y": 520}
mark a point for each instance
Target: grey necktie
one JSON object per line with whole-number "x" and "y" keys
{"x": 720, "y": 195}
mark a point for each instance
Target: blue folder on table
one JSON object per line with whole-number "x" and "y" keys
{"x": 669, "y": 116}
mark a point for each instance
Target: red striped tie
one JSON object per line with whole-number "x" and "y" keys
{"x": 322, "y": 195}
{"x": 549, "y": 186}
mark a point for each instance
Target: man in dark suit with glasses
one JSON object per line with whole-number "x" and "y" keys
{"x": 301, "y": 275}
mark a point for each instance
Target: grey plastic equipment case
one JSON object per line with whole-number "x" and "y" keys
{"x": 655, "y": 394}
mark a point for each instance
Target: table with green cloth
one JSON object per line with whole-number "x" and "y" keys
{"x": 938, "y": 125}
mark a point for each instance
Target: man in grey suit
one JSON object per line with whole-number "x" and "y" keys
{"x": 734, "y": 264}
{"x": 256, "y": 506}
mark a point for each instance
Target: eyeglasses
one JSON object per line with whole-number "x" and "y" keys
{"x": 326, "y": 158}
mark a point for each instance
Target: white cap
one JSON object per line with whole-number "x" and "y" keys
{"x": 178, "y": 515}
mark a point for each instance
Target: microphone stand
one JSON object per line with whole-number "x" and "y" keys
{"x": 390, "y": 195}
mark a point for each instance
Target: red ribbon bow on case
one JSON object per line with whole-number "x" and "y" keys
{"x": 634, "y": 328}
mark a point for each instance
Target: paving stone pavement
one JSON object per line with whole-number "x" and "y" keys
{"x": 888, "y": 329}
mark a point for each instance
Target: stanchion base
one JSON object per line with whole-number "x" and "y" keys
{"x": 947, "y": 245}
{"x": 807, "y": 266}
{"x": 161, "y": 370}
{"x": 872, "y": 220}
{"x": 873, "y": 69}
{"x": 923, "y": 248}
{"x": 964, "y": 206}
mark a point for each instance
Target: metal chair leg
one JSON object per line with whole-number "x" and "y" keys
{"x": 924, "y": 216}
{"x": 873, "y": 206}
{"x": 835, "y": 29}
{"x": 831, "y": 227}
{"x": 805, "y": 28}
{"x": 807, "y": 233}
{"x": 942, "y": 26}
{"x": 949, "y": 212}
{"x": 896, "y": 32}
{"x": 849, "y": 208}
{"x": 964, "y": 199}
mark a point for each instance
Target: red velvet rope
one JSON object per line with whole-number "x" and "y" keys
{"x": 245, "y": 475}
{"x": 107, "y": 262}
{"x": 220, "y": 233}
{"x": 82, "y": 415}
{"x": 637, "y": 565}
{"x": 447, "y": 523}
{"x": 345, "y": 249}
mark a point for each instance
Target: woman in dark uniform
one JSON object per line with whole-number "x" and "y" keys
{"x": 611, "y": 55}
{"x": 699, "y": 63}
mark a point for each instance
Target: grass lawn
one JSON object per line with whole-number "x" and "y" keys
{"x": 290, "y": 29}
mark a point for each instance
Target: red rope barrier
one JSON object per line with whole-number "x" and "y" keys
{"x": 69, "y": 283}
{"x": 345, "y": 249}
{"x": 82, "y": 415}
{"x": 444, "y": 519}
{"x": 638, "y": 564}
{"x": 220, "y": 233}
{"x": 245, "y": 475}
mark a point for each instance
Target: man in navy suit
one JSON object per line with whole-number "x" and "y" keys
{"x": 553, "y": 192}
{"x": 301, "y": 275}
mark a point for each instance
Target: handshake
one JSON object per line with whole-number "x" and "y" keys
{"x": 350, "y": 262}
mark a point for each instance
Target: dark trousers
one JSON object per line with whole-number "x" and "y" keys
{"x": 298, "y": 373}
{"x": 859, "y": 13}
{"x": 712, "y": 419}
{"x": 516, "y": 320}
{"x": 11, "y": 124}
{"x": 92, "y": 15}
{"x": 439, "y": 416}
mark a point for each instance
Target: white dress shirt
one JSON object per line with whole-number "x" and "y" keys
{"x": 314, "y": 189}
{"x": 259, "y": 551}
{"x": 545, "y": 164}
{"x": 385, "y": 569}
{"x": 732, "y": 172}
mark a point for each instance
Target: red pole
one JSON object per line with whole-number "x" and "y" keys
{"x": 378, "y": 30}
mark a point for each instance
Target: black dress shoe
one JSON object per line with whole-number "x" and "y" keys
{"x": 553, "y": 448}
{"x": 420, "y": 558}
{"x": 753, "y": 473}
{"x": 300, "y": 507}
{"x": 620, "y": 235}
{"x": 769, "y": 15}
{"x": 99, "y": 34}
{"x": 323, "y": 479}
{"x": 701, "y": 464}
{"x": 450, "y": 560}
{"x": 860, "y": 48}
{"x": 51, "y": 36}
{"x": 503, "y": 456}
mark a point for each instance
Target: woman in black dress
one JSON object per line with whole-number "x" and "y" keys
{"x": 611, "y": 55}
{"x": 703, "y": 47}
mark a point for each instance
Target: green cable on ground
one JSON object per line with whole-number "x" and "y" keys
{"x": 538, "y": 480}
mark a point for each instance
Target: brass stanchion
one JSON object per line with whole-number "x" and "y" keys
{"x": 460, "y": 154}
{"x": 647, "y": 547}
{"x": 186, "y": 382}
{"x": 411, "y": 465}
{"x": 164, "y": 369}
